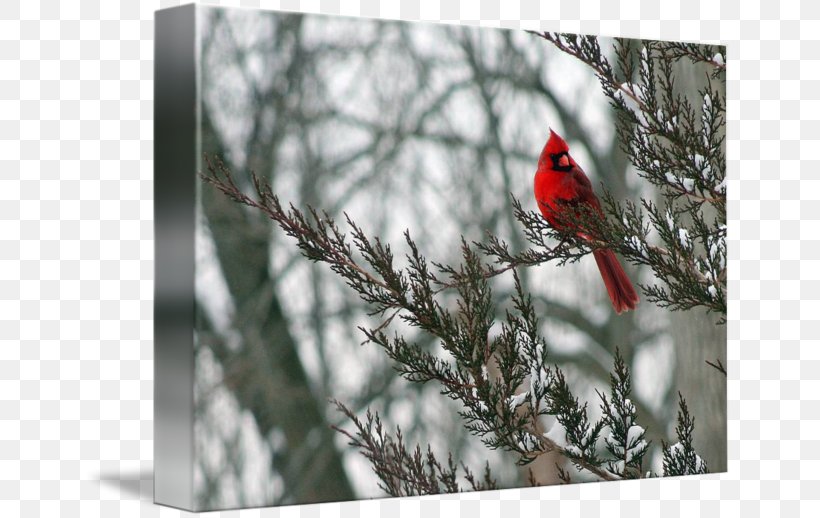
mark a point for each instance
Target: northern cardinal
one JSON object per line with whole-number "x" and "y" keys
{"x": 559, "y": 178}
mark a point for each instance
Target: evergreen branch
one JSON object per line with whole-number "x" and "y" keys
{"x": 710, "y": 54}
{"x": 587, "y": 50}
{"x": 502, "y": 410}
{"x": 626, "y": 441}
{"x": 681, "y": 458}
{"x": 675, "y": 146}
{"x": 493, "y": 409}
{"x": 403, "y": 471}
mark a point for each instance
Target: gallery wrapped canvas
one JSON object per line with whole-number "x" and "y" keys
{"x": 397, "y": 259}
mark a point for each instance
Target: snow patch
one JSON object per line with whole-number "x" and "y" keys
{"x": 683, "y": 237}
{"x": 677, "y": 449}
{"x": 558, "y": 435}
{"x": 703, "y": 166}
{"x": 516, "y": 400}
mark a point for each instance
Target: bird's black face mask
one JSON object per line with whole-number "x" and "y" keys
{"x": 560, "y": 162}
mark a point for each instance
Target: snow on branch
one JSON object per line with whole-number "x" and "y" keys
{"x": 455, "y": 304}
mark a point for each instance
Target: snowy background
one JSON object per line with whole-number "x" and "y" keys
{"x": 402, "y": 126}
{"x": 77, "y": 253}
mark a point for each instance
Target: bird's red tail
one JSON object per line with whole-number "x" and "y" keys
{"x": 618, "y": 285}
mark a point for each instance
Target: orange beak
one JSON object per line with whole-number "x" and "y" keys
{"x": 563, "y": 161}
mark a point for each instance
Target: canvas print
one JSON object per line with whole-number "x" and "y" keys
{"x": 432, "y": 259}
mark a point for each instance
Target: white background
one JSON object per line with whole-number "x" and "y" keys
{"x": 76, "y": 258}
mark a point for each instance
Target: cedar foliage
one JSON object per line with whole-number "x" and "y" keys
{"x": 676, "y": 146}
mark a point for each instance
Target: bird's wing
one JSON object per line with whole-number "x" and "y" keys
{"x": 583, "y": 189}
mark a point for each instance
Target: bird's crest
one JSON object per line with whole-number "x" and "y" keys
{"x": 556, "y": 144}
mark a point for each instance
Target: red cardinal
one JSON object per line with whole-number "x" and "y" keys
{"x": 559, "y": 178}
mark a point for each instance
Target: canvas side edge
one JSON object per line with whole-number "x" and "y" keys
{"x": 175, "y": 123}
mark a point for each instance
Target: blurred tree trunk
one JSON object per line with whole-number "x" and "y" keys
{"x": 699, "y": 339}
{"x": 265, "y": 372}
